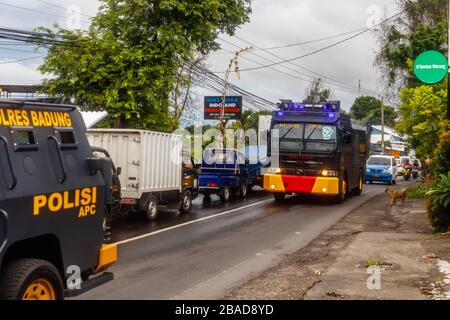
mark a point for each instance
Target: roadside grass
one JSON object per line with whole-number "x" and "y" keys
{"x": 378, "y": 263}
{"x": 417, "y": 192}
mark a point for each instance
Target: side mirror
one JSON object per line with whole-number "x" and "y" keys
{"x": 94, "y": 165}
{"x": 119, "y": 171}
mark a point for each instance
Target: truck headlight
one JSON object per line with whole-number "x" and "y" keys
{"x": 329, "y": 173}
{"x": 386, "y": 171}
{"x": 368, "y": 170}
{"x": 274, "y": 170}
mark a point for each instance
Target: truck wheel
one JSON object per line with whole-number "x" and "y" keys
{"x": 186, "y": 202}
{"x": 226, "y": 194}
{"x": 279, "y": 197}
{"x": 31, "y": 279}
{"x": 152, "y": 208}
{"x": 243, "y": 190}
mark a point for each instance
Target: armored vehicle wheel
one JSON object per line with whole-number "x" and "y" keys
{"x": 343, "y": 191}
{"x": 31, "y": 279}
{"x": 358, "y": 189}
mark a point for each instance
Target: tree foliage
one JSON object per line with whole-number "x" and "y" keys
{"x": 250, "y": 119}
{"x": 129, "y": 59}
{"x": 422, "y": 27}
{"x": 317, "y": 92}
{"x": 423, "y": 111}
{"x": 368, "y": 108}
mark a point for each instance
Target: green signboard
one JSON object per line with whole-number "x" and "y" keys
{"x": 431, "y": 67}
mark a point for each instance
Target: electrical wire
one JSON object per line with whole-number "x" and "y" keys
{"x": 323, "y": 48}
{"x": 346, "y": 87}
{"x": 36, "y": 11}
{"x": 20, "y": 60}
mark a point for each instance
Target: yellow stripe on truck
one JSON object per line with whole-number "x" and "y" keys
{"x": 107, "y": 257}
{"x": 273, "y": 183}
{"x": 325, "y": 185}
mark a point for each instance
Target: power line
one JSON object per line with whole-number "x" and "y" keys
{"x": 322, "y": 76}
{"x": 347, "y": 88}
{"x": 312, "y": 41}
{"x": 33, "y": 37}
{"x": 216, "y": 83}
{"x": 60, "y": 7}
{"x": 210, "y": 80}
{"x": 321, "y": 49}
{"x": 18, "y": 50}
{"x": 20, "y": 60}
{"x": 35, "y": 11}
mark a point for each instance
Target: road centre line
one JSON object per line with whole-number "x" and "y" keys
{"x": 147, "y": 235}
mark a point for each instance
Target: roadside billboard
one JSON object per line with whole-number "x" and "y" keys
{"x": 213, "y": 108}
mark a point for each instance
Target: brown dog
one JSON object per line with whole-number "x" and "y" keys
{"x": 396, "y": 194}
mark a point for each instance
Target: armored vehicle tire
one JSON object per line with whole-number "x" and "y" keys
{"x": 152, "y": 209}
{"x": 279, "y": 196}
{"x": 358, "y": 189}
{"x": 243, "y": 190}
{"x": 186, "y": 202}
{"x": 343, "y": 190}
{"x": 31, "y": 279}
{"x": 225, "y": 195}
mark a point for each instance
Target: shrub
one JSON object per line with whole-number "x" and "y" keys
{"x": 439, "y": 203}
{"x": 417, "y": 192}
{"x": 440, "y": 163}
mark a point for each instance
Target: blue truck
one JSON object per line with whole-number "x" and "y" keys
{"x": 225, "y": 172}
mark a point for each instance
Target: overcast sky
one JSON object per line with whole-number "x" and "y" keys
{"x": 273, "y": 23}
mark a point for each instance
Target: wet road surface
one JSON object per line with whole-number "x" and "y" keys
{"x": 204, "y": 254}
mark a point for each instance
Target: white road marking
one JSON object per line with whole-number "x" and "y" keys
{"x": 190, "y": 222}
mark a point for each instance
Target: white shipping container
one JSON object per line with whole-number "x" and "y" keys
{"x": 150, "y": 161}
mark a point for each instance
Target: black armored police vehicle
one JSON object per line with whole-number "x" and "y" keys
{"x": 319, "y": 151}
{"x": 54, "y": 195}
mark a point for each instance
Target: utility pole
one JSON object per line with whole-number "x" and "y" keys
{"x": 359, "y": 87}
{"x": 382, "y": 126}
{"x": 233, "y": 61}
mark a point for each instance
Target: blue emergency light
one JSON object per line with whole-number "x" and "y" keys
{"x": 288, "y": 105}
{"x": 328, "y": 110}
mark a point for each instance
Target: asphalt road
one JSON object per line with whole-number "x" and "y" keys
{"x": 205, "y": 254}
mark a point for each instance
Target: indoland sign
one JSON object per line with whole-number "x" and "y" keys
{"x": 213, "y": 108}
{"x": 431, "y": 67}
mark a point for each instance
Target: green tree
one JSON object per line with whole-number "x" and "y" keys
{"x": 128, "y": 61}
{"x": 368, "y": 108}
{"x": 422, "y": 27}
{"x": 250, "y": 119}
{"x": 422, "y": 112}
{"x": 317, "y": 92}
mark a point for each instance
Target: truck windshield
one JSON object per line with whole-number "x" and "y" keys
{"x": 306, "y": 137}
{"x": 379, "y": 161}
